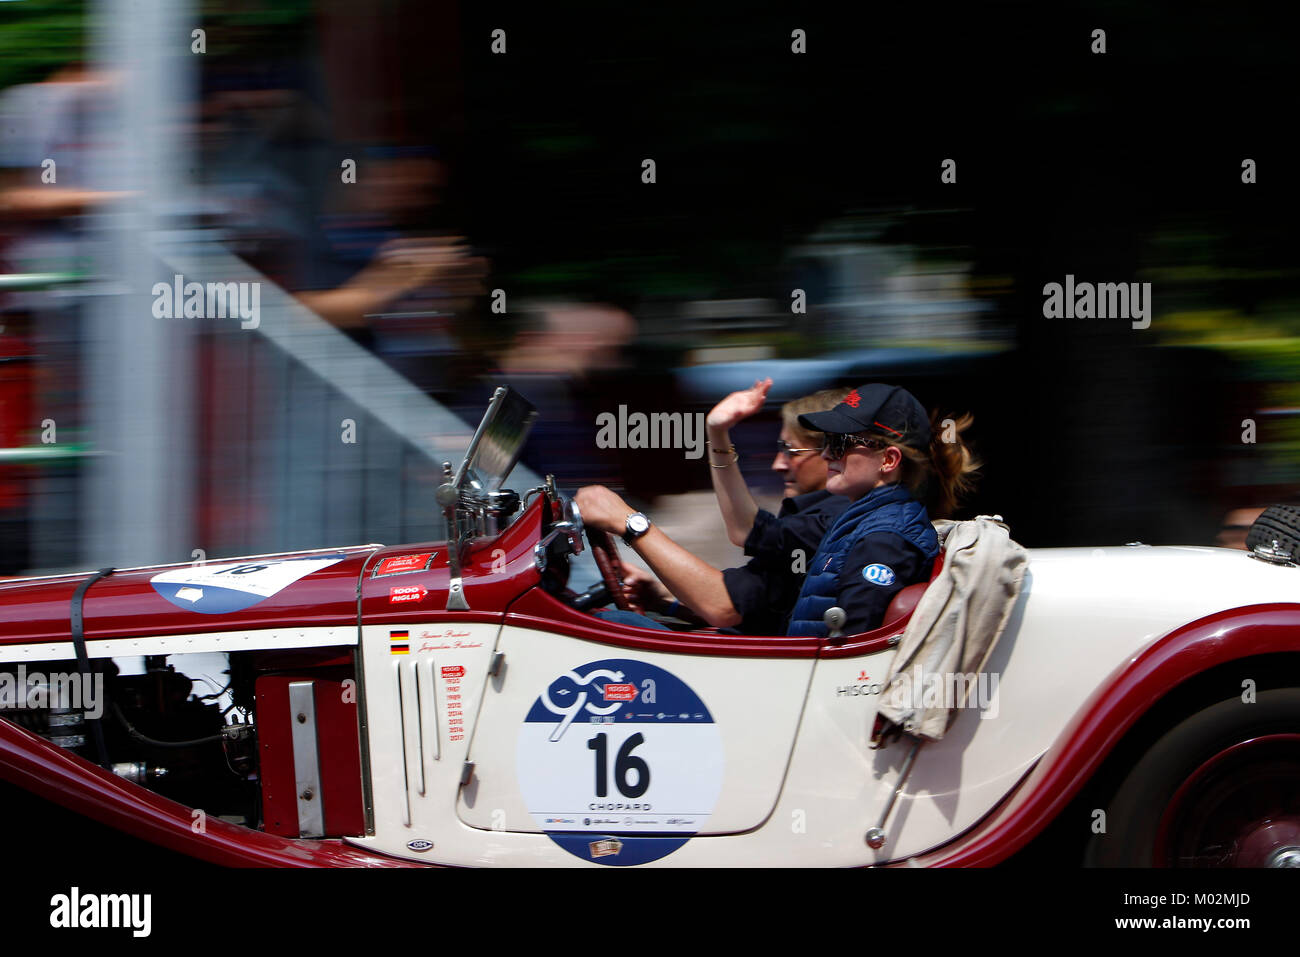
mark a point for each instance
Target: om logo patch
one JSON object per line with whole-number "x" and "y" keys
{"x": 879, "y": 574}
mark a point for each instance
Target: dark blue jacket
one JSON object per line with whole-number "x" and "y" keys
{"x": 883, "y": 542}
{"x": 764, "y": 590}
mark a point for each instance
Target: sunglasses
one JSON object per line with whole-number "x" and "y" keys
{"x": 783, "y": 448}
{"x": 838, "y": 444}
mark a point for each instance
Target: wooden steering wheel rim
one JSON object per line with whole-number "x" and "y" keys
{"x": 605, "y": 552}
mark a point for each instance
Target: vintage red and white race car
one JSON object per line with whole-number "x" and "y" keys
{"x": 455, "y": 703}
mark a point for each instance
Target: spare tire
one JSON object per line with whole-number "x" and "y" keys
{"x": 1281, "y": 524}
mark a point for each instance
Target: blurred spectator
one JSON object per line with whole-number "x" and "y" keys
{"x": 1236, "y": 526}
{"x": 560, "y": 360}
{"x": 362, "y": 248}
{"x": 49, "y": 136}
{"x": 371, "y": 259}
{"x": 1238, "y": 522}
{"x": 52, "y": 120}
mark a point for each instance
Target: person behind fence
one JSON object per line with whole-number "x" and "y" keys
{"x": 889, "y": 459}
{"x": 762, "y": 591}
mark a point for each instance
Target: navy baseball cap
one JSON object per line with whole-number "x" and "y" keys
{"x": 889, "y": 411}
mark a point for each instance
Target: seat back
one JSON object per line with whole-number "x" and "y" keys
{"x": 906, "y": 600}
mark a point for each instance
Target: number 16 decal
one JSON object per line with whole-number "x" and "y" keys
{"x": 619, "y": 747}
{"x": 622, "y": 765}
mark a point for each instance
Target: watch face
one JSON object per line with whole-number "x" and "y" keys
{"x": 638, "y": 523}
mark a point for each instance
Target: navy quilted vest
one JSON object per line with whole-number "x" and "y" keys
{"x": 889, "y": 508}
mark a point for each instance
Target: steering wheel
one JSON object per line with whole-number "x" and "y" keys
{"x": 605, "y": 552}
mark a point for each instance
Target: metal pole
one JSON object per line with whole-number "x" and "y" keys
{"x": 139, "y": 369}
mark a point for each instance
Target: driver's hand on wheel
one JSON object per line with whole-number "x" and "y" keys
{"x": 603, "y": 509}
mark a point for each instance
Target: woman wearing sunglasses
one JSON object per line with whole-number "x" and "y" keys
{"x": 885, "y": 457}
{"x": 755, "y": 597}
{"x": 779, "y": 546}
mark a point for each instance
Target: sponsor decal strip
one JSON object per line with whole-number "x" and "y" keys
{"x": 404, "y": 564}
{"x": 404, "y": 593}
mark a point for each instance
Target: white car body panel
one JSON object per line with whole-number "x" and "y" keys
{"x": 1060, "y": 645}
{"x": 755, "y": 703}
{"x": 800, "y": 784}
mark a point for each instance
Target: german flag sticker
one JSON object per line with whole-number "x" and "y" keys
{"x": 399, "y": 642}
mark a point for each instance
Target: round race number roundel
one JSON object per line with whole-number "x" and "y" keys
{"x": 619, "y": 761}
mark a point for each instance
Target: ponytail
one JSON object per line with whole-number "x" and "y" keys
{"x": 942, "y": 476}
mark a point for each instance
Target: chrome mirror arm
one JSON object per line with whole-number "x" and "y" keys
{"x": 448, "y": 496}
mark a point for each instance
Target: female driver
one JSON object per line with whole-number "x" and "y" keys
{"x": 757, "y": 596}
{"x": 881, "y": 453}
{"x": 761, "y": 592}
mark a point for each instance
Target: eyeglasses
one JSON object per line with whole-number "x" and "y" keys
{"x": 783, "y": 448}
{"x": 838, "y": 444}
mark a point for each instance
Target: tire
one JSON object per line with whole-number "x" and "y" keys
{"x": 1220, "y": 789}
{"x": 1280, "y": 523}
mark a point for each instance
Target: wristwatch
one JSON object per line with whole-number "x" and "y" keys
{"x": 637, "y": 525}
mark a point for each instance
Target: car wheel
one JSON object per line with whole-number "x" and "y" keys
{"x": 1278, "y": 523}
{"x": 1221, "y": 789}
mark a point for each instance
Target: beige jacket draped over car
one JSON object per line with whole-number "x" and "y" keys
{"x": 955, "y": 625}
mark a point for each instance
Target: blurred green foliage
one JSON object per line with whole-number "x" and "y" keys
{"x": 38, "y": 37}
{"x": 253, "y": 29}
{"x": 1266, "y": 350}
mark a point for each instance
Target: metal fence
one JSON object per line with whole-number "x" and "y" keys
{"x": 287, "y": 436}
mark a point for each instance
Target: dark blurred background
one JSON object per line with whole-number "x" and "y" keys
{"x": 522, "y": 172}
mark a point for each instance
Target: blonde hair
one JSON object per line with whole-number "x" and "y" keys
{"x": 822, "y": 401}
{"x": 946, "y": 472}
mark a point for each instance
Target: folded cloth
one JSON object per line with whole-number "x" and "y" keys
{"x": 955, "y": 626}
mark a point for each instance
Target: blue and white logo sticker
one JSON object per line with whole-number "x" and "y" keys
{"x": 619, "y": 762}
{"x": 234, "y": 586}
{"x": 878, "y": 574}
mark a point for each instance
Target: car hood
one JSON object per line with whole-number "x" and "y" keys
{"x": 322, "y": 588}
{"x": 308, "y": 588}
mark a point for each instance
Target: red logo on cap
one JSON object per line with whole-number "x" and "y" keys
{"x": 853, "y": 399}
